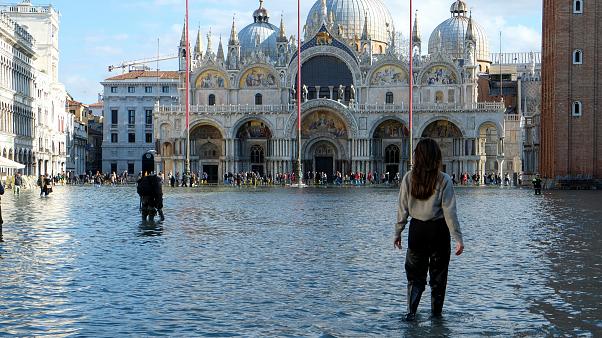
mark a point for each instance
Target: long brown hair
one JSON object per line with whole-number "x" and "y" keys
{"x": 426, "y": 170}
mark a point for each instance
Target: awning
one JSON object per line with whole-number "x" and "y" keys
{"x": 10, "y": 164}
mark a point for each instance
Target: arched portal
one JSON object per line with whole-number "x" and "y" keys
{"x": 323, "y": 74}
{"x": 206, "y": 150}
{"x": 325, "y": 136}
{"x": 450, "y": 139}
{"x": 389, "y": 137}
{"x": 253, "y": 140}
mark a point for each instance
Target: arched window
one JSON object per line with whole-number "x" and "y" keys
{"x": 392, "y": 154}
{"x": 258, "y": 99}
{"x": 577, "y": 109}
{"x": 389, "y": 98}
{"x": 578, "y": 6}
{"x": 257, "y": 154}
{"x": 577, "y": 57}
{"x": 212, "y": 100}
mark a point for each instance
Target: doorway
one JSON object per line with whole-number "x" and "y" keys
{"x": 326, "y": 165}
{"x": 212, "y": 173}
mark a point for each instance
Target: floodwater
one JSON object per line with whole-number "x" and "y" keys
{"x": 288, "y": 262}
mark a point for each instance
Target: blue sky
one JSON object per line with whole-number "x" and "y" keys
{"x": 95, "y": 34}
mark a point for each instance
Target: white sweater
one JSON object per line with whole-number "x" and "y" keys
{"x": 442, "y": 204}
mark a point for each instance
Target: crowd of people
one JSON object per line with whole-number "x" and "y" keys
{"x": 475, "y": 179}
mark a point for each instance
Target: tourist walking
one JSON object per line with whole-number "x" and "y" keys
{"x": 1, "y": 220}
{"x": 537, "y": 184}
{"x": 18, "y": 183}
{"x": 151, "y": 193}
{"x": 427, "y": 196}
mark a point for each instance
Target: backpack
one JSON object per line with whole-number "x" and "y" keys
{"x": 1, "y": 189}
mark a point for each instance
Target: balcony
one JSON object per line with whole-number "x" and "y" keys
{"x": 361, "y": 108}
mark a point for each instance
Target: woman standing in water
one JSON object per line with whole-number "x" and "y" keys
{"x": 427, "y": 196}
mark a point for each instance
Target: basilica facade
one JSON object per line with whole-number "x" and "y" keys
{"x": 355, "y": 95}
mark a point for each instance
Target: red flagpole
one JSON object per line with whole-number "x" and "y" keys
{"x": 411, "y": 76}
{"x": 187, "y": 93}
{"x": 299, "y": 173}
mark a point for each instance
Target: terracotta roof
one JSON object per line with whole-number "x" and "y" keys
{"x": 97, "y": 105}
{"x": 145, "y": 73}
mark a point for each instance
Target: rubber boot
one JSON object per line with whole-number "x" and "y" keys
{"x": 161, "y": 216}
{"x": 414, "y": 295}
{"x": 437, "y": 300}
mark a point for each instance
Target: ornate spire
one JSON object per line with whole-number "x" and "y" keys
{"x": 416, "y": 34}
{"x": 209, "y": 37}
{"x": 233, "y": 34}
{"x": 282, "y": 36}
{"x": 324, "y": 12}
{"x": 199, "y": 44}
{"x": 183, "y": 38}
{"x": 470, "y": 33}
{"x": 365, "y": 33}
{"x": 220, "y": 50}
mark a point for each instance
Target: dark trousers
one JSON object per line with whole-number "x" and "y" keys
{"x": 429, "y": 250}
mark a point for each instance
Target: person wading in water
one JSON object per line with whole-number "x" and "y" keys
{"x": 150, "y": 191}
{"x": 427, "y": 196}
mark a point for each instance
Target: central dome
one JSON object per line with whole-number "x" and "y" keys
{"x": 451, "y": 34}
{"x": 350, "y": 15}
{"x": 261, "y": 35}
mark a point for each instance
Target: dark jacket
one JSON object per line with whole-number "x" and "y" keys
{"x": 150, "y": 190}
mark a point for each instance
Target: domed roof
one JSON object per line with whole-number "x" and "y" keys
{"x": 351, "y": 15}
{"x": 451, "y": 34}
{"x": 260, "y": 35}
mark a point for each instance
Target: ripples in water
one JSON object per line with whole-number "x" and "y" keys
{"x": 285, "y": 262}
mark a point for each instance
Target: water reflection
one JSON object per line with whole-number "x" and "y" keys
{"x": 151, "y": 228}
{"x": 278, "y": 262}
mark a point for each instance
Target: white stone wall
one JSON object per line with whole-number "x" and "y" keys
{"x": 123, "y": 154}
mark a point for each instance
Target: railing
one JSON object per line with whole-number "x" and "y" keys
{"x": 363, "y": 108}
{"x": 512, "y": 117}
{"x": 226, "y": 109}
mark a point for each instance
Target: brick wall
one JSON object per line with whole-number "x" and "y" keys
{"x": 571, "y": 145}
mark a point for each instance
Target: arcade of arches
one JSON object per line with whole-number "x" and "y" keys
{"x": 328, "y": 147}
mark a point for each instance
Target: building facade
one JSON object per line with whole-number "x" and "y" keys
{"x": 16, "y": 97}
{"x": 571, "y": 140}
{"x": 77, "y": 137}
{"x": 355, "y": 94}
{"x": 128, "y": 125}
{"x": 49, "y": 96}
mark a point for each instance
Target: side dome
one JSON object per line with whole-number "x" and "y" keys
{"x": 261, "y": 35}
{"x": 452, "y": 33}
{"x": 350, "y": 16}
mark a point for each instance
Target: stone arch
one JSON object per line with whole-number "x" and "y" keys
{"x": 496, "y": 125}
{"x": 165, "y": 130}
{"x": 439, "y": 73}
{"x": 211, "y": 78}
{"x": 390, "y": 79}
{"x": 11, "y": 154}
{"x": 327, "y": 105}
{"x": 455, "y": 122}
{"x": 383, "y": 119}
{"x": 271, "y": 78}
{"x": 309, "y": 147}
{"x": 240, "y": 123}
{"x": 204, "y": 121}
{"x": 351, "y": 62}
